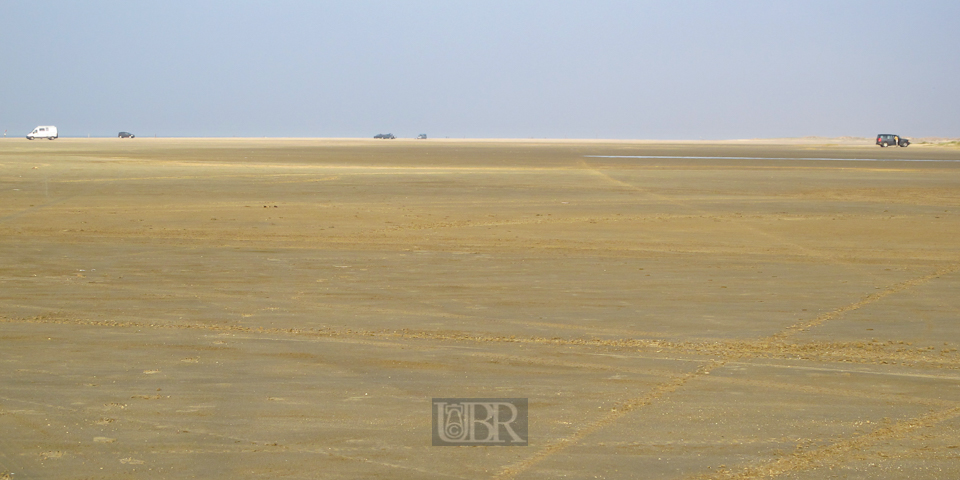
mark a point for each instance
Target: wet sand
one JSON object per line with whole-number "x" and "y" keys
{"x": 247, "y": 308}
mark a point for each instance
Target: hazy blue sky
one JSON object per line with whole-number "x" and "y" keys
{"x": 669, "y": 70}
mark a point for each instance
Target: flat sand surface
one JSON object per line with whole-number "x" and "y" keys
{"x": 288, "y": 308}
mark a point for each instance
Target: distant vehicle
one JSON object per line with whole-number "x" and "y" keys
{"x": 48, "y": 132}
{"x": 387, "y": 136}
{"x": 422, "y": 136}
{"x": 886, "y": 139}
{"x": 125, "y": 135}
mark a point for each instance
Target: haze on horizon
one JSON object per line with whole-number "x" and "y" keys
{"x": 506, "y": 69}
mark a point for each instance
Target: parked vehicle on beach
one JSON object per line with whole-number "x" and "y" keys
{"x": 126, "y": 135}
{"x": 49, "y": 132}
{"x": 386, "y": 136}
{"x": 422, "y": 136}
{"x": 887, "y": 139}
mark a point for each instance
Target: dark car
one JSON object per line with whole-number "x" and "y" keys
{"x": 125, "y": 135}
{"x": 387, "y": 136}
{"x": 886, "y": 139}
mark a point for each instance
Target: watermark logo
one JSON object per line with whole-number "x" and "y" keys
{"x": 480, "y": 421}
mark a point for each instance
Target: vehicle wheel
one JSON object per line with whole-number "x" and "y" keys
{"x": 904, "y": 144}
{"x": 29, "y": 138}
{"x": 883, "y": 145}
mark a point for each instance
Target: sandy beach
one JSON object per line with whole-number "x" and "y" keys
{"x": 287, "y": 308}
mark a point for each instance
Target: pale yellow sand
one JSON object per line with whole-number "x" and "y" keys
{"x": 286, "y": 308}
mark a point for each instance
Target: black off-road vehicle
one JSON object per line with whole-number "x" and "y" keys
{"x": 385, "y": 136}
{"x": 887, "y": 139}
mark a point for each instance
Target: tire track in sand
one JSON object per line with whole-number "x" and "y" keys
{"x": 803, "y": 250}
{"x": 835, "y": 453}
{"x": 856, "y": 352}
{"x": 869, "y": 299}
{"x": 618, "y": 411}
{"x": 724, "y": 350}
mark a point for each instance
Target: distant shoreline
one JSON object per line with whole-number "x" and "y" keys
{"x": 809, "y": 140}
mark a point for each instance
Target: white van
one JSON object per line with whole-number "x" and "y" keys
{"x": 43, "y": 132}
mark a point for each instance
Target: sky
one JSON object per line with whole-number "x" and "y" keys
{"x": 482, "y": 69}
